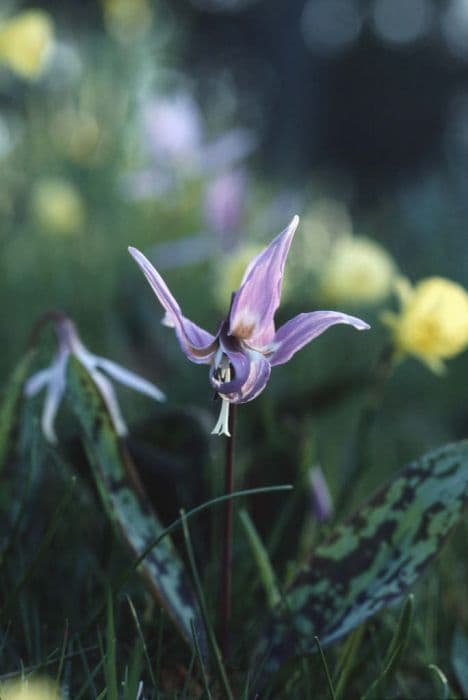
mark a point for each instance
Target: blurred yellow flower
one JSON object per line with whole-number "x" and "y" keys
{"x": 127, "y": 19}
{"x": 328, "y": 220}
{"x": 433, "y": 321}
{"x": 358, "y": 271}
{"x": 26, "y": 41}
{"x": 79, "y": 135}
{"x": 31, "y": 689}
{"x": 57, "y": 206}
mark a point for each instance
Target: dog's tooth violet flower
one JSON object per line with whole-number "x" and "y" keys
{"x": 433, "y": 322}
{"x": 246, "y": 346}
{"x": 53, "y": 379}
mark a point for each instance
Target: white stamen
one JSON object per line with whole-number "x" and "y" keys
{"x": 222, "y": 426}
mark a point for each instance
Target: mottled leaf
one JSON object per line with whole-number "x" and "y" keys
{"x": 11, "y": 405}
{"x": 460, "y": 660}
{"x": 372, "y": 559}
{"x": 127, "y": 505}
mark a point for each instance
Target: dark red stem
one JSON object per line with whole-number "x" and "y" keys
{"x": 53, "y": 316}
{"x": 227, "y": 539}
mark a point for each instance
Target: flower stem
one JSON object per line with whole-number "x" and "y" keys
{"x": 227, "y": 535}
{"x": 53, "y": 315}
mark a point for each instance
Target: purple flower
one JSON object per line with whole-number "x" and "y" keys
{"x": 175, "y": 139}
{"x": 246, "y": 345}
{"x": 225, "y": 200}
{"x": 53, "y": 379}
{"x": 320, "y": 496}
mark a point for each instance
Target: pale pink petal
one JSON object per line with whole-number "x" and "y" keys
{"x": 37, "y": 381}
{"x": 197, "y": 344}
{"x": 108, "y": 394}
{"x": 254, "y": 305}
{"x": 130, "y": 379}
{"x": 253, "y": 384}
{"x": 301, "y": 329}
{"x": 55, "y": 391}
{"x": 239, "y": 366}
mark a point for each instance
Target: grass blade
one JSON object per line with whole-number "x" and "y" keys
{"x": 216, "y": 654}
{"x": 206, "y": 685}
{"x": 45, "y": 542}
{"x": 347, "y": 658}
{"x": 394, "y": 651}
{"x": 331, "y": 690}
{"x": 262, "y": 560}
{"x": 142, "y": 639}
{"x": 441, "y": 681}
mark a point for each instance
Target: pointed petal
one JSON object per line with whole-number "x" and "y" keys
{"x": 197, "y": 344}
{"x": 37, "y": 381}
{"x": 254, "y": 305}
{"x": 301, "y": 329}
{"x": 55, "y": 391}
{"x": 130, "y": 379}
{"x": 108, "y": 394}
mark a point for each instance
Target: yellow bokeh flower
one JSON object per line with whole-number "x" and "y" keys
{"x": 127, "y": 19}
{"x": 26, "y": 42}
{"x": 57, "y": 206}
{"x": 358, "y": 271}
{"x": 433, "y": 322}
{"x": 79, "y": 136}
{"x": 30, "y": 689}
{"x": 326, "y": 222}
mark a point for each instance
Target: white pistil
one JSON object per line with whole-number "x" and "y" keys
{"x": 222, "y": 425}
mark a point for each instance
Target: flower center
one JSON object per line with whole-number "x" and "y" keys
{"x": 223, "y": 374}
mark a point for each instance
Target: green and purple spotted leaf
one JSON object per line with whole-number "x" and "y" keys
{"x": 10, "y": 408}
{"x": 372, "y": 559}
{"x": 128, "y": 507}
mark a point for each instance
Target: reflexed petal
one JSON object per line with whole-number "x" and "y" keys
{"x": 108, "y": 394}
{"x": 130, "y": 379}
{"x": 254, "y": 305}
{"x": 239, "y": 360}
{"x": 197, "y": 344}
{"x": 301, "y": 329}
{"x": 55, "y": 391}
{"x": 37, "y": 381}
{"x": 238, "y": 391}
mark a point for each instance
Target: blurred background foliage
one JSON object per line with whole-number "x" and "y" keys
{"x": 194, "y": 130}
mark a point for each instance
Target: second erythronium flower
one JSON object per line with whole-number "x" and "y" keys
{"x": 53, "y": 378}
{"x": 246, "y": 345}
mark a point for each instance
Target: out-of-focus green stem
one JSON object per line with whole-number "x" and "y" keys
{"x": 375, "y": 393}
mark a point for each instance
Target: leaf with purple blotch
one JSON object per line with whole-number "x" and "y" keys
{"x": 127, "y": 505}
{"x": 372, "y": 559}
